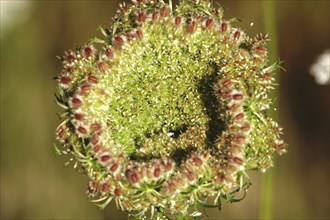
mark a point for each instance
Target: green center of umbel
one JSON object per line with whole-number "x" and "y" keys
{"x": 163, "y": 91}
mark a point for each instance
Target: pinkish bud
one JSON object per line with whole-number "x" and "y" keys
{"x": 238, "y": 96}
{"x": 129, "y": 36}
{"x": 70, "y": 57}
{"x": 102, "y": 66}
{"x": 238, "y": 160}
{"x": 75, "y": 102}
{"x": 85, "y": 88}
{"x": 65, "y": 80}
{"x": 190, "y": 175}
{"x": 104, "y": 158}
{"x": 69, "y": 69}
{"x": 78, "y": 116}
{"x": 154, "y": 16}
{"x": 245, "y": 127}
{"x": 61, "y": 131}
{"x": 239, "y": 116}
{"x": 118, "y": 40}
{"x": 138, "y": 34}
{"x": 117, "y": 192}
{"x": 192, "y": 26}
{"x": 132, "y": 176}
{"x": 108, "y": 52}
{"x": 237, "y": 35}
{"x": 105, "y": 187}
{"x": 224, "y": 27}
{"x": 82, "y": 130}
{"x": 209, "y": 23}
{"x": 177, "y": 20}
{"x": 168, "y": 166}
{"x": 141, "y": 17}
{"x": 92, "y": 79}
{"x": 198, "y": 161}
{"x": 260, "y": 50}
{"x": 280, "y": 147}
{"x": 226, "y": 83}
{"x": 171, "y": 186}
{"x": 164, "y": 11}
{"x": 96, "y": 148}
{"x": 157, "y": 172}
{"x": 114, "y": 167}
{"x": 239, "y": 138}
{"x": 88, "y": 51}
{"x": 235, "y": 149}
{"x": 199, "y": 19}
{"x": 95, "y": 127}
{"x": 94, "y": 140}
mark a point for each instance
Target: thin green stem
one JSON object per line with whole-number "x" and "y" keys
{"x": 266, "y": 199}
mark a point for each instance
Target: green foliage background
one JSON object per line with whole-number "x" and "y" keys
{"x": 35, "y": 185}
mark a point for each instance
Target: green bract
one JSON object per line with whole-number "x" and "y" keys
{"x": 169, "y": 111}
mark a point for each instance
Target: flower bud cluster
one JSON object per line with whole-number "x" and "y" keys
{"x": 170, "y": 110}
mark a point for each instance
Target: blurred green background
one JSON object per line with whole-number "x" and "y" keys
{"x": 34, "y": 183}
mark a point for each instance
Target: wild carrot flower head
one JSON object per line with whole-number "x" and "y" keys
{"x": 168, "y": 111}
